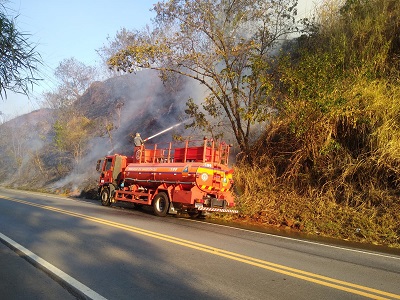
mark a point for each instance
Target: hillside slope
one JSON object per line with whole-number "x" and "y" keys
{"x": 117, "y": 108}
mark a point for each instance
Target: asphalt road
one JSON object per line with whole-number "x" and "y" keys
{"x": 128, "y": 254}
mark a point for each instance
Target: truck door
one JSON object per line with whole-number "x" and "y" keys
{"x": 106, "y": 174}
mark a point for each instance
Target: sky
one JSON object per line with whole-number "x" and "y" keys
{"x": 63, "y": 29}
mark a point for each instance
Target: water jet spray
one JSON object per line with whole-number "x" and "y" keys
{"x": 163, "y": 131}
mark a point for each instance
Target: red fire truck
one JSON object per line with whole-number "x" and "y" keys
{"x": 193, "y": 177}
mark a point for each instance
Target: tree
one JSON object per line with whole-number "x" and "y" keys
{"x": 71, "y": 128}
{"x": 226, "y": 45}
{"x": 123, "y": 39}
{"x": 18, "y": 58}
{"x": 71, "y": 135}
{"x": 15, "y": 145}
{"x": 74, "y": 79}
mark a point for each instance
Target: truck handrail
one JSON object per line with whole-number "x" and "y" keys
{"x": 207, "y": 152}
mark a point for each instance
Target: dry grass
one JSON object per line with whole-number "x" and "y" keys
{"x": 316, "y": 212}
{"x": 335, "y": 174}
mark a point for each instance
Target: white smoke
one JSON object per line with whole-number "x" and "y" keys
{"x": 148, "y": 107}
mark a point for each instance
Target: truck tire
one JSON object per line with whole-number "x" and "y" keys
{"x": 161, "y": 204}
{"x": 105, "y": 197}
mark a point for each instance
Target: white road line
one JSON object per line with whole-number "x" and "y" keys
{"x": 73, "y": 284}
{"x": 299, "y": 240}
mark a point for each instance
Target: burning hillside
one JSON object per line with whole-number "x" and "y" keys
{"x": 114, "y": 110}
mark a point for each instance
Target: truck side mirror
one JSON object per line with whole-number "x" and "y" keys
{"x": 98, "y": 165}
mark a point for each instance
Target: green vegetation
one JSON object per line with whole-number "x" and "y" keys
{"x": 19, "y": 60}
{"x": 330, "y": 160}
{"x": 71, "y": 135}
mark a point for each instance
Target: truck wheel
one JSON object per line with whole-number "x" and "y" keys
{"x": 161, "y": 204}
{"x": 105, "y": 197}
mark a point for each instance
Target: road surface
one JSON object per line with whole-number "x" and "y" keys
{"x": 117, "y": 253}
